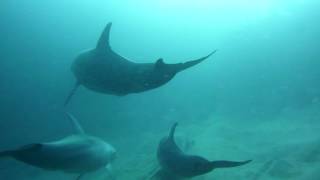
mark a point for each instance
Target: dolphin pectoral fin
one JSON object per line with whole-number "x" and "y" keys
{"x": 103, "y": 42}
{"x": 80, "y": 176}
{"x": 188, "y": 64}
{"x": 153, "y": 173}
{"x": 109, "y": 167}
{"x": 109, "y": 171}
{"x": 162, "y": 174}
{"x": 228, "y": 164}
{"x": 72, "y": 92}
{"x": 75, "y": 123}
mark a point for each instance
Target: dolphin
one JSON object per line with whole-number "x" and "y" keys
{"x": 103, "y": 70}
{"x": 175, "y": 164}
{"x": 78, "y": 153}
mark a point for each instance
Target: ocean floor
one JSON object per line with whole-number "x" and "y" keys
{"x": 286, "y": 147}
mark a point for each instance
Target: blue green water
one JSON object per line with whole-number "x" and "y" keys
{"x": 258, "y": 97}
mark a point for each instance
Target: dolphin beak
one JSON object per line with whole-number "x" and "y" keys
{"x": 188, "y": 64}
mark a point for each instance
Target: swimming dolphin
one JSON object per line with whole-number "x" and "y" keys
{"x": 103, "y": 70}
{"x": 175, "y": 164}
{"x": 78, "y": 153}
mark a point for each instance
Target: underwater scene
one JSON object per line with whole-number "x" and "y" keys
{"x": 159, "y": 90}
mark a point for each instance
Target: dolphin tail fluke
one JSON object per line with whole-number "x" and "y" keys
{"x": 228, "y": 164}
{"x": 188, "y": 64}
{"x": 21, "y": 150}
{"x": 73, "y": 91}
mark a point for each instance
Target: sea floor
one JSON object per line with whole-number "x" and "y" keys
{"x": 285, "y": 147}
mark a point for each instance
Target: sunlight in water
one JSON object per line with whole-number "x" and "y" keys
{"x": 203, "y": 11}
{"x": 241, "y": 4}
{"x": 247, "y": 6}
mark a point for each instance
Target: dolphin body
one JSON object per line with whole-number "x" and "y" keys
{"x": 103, "y": 70}
{"x": 175, "y": 164}
{"x": 78, "y": 153}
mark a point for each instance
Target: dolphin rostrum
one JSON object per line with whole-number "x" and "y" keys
{"x": 175, "y": 164}
{"x": 103, "y": 70}
{"x": 78, "y": 153}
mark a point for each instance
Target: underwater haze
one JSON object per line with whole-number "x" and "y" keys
{"x": 257, "y": 97}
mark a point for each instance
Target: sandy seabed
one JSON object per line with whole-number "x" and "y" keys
{"x": 285, "y": 147}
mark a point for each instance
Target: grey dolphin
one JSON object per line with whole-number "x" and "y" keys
{"x": 78, "y": 153}
{"x": 175, "y": 164}
{"x": 103, "y": 70}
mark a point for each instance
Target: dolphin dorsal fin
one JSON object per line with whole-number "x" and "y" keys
{"x": 75, "y": 123}
{"x": 159, "y": 64}
{"x": 103, "y": 43}
{"x": 172, "y": 131}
